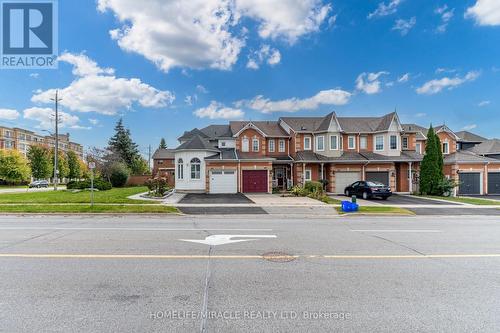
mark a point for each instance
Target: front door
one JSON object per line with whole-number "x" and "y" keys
{"x": 280, "y": 176}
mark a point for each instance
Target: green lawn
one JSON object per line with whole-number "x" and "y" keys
{"x": 379, "y": 210}
{"x": 332, "y": 201}
{"x": 472, "y": 201}
{"x": 136, "y": 209}
{"x": 115, "y": 195}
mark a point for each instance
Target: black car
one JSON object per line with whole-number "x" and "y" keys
{"x": 368, "y": 190}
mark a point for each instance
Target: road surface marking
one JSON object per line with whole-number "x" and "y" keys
{"x": 180, "y": 256}
{"x": 396, "y": 230}
{"x": 215, "y": 240}
{"x": 127, "y": 229}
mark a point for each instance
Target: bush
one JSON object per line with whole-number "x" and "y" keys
{"x": 159, "y": 186}
{"x": 99, "y": 184}
{"x": 315, "y": 188}
{"x": 119, "y": 175}
{"x": 445, "y": 187}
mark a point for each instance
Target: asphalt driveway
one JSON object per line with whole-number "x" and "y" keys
{"x": 211, "y": 199}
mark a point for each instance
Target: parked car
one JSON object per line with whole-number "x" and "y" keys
{"x": 39, "y": 184}
{"x": 368, "y": 190}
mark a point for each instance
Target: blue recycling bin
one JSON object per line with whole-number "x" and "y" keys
{"x": 348, "y": 206}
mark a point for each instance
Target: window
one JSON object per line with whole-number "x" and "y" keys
{"x": 160, "y": 161}
{"x": 223, "y": 143}
{"x": 245, "y": 147}
{"x": 307, "y": 175}
{"x": 307, "y": 143}
{"x": 351, "y": 142}
{"x": 394, "y": 142}
{"x": 418, "y": 148}
{"x": 255, "y": 145}
{"x": 320, "y": 143}
{"x": 180, "y": 169}
{"x": 379, "y": 142}
{"x": 282, "y": 146}
{"x": 334, "y": 142}
{"x": 271, "y": 146}
{"x": 405, "y": 142}
{"x": 195, "y": 168}
{"x": 363, "y": 142}
{"x": 446, "y": 148}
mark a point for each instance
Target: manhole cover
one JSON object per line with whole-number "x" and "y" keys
{"x": 277, "y": 256}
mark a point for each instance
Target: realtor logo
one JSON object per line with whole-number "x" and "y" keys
{"x": 29, "y": 34}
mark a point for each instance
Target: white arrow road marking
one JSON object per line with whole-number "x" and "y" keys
{"x": 226, "y": 239}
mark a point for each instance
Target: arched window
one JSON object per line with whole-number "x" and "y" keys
{"x": 180, "y": 169}
{"x": 195, "y": 168}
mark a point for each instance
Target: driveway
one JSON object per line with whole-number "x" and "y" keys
{"x": 396, "y": 200}
{"x": 214, "y": 199}
{"x": 487, "y": 197}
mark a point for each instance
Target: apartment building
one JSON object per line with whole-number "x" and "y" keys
{"x": 257, "y": 156}
{"x": 21, "y": 139}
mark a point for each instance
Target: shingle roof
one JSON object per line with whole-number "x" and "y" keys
{"x": 163, "y": 154}
{"x": 487, "y": 147}
{"x": 225, "y": 154}
{"x": 358, "y": 157}
{"x": 366, "y": 124}
{"x": 303, "y": 124}
{"x": 465, "y": 156}
{"x": 210, "y": 132}
{"x": 325, "y": 124}
{"x": 269, "y": 128}
{"x": 196, "y": 143}
{"x": 466, "y": 136}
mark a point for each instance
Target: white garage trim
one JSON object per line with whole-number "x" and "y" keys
{"x": 344, "y": 179}
{"x": 223, "y": 181}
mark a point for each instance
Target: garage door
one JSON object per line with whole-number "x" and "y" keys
{"x": 223, "y": 181}
{"x": 470, "y": 183}
{"x": 494, "y": 183}
{"x": 381, "y": 177}
{"x": 344, "y": 179}
{"x": 255, "y": 181}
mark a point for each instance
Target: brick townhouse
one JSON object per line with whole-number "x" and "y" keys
{"x": 257, "y": 156}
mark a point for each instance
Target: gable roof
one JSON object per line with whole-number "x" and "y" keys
{"x": 327, "y": 121}
{"x": 487, "y": 147}
{"x": 163, "y": 154}
{"x": 303, "y": 124}
{"x": 444, "y": 128}
{"x": 210, "y": 132}
{"x": 466, "y": 156}
{"x": 367, "y": 124}
{"x": 196, "y": 143}
{"x": 421, "y": 132}
{"x": 466, "y": 136}
{"x": 267, "y": 128}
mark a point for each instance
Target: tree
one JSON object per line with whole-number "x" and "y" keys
{"x": 62, "y": 164}
{"x": 163, "y": 144}
{"x": 14, "y": 167}
{"x": 119, "y": 174}
{"x": 139, "y": 166}
{"x": 431, "y": 169}
{"x": 74, "y": 166}
{"x": 39, "y": 162}
{"x": 122, "y": 145}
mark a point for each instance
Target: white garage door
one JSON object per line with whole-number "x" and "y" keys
{"x": 223, "y": 181}
{"x": 344, "y": 179}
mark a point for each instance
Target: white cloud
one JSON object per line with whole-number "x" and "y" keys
{"x": 484, "y": 103}
{"x": 45, "y": 117}
{"x": 446, "y": 15}
{"x": 404, "y": 26}
{"x": 369, "y": 83}
{"x": 384, "y": 9}
{"x": 294, "y": 104}
{"x": 97, "y": 90}
{"x": 437, "y": 85}
{"x": 218, "y": 111}
{"x": 469, "y": 127}
{"x": 34, "y": 75}
{"x": 207, "y": 33}
{"x": 191, "y": 99}
{"x": 404, "y": 78}
{"x": 445, "y": 70}
{"x": 9, "y": 114}
{"x": 266, "y": 54}
{"x": 485, "y": 12}
{"x": 420, "y": 115}
{"x": 201, "y": 89}
{"x": 93, "y": 121}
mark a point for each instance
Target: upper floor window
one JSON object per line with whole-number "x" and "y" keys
{"x": 351, "y": 142}
{"x": 271, "y": 146}
{"x": 195, "y": 168}
{"x": 282, "y": 146}
{"x": 446, "y": 148}
{"x": 394, "y": 142}
{"x": 334, "y": 142}
{"x": 418, "y": 148}
{"x": 180, "y": 169}
{"x": 379, "y": 142}
{"x": 363, "y": 142}
{"x": 245, "y": 145}
{"x": 255, "y": 145}
{"x": 307, "y": 143}
{"x": 405, "y": 142}
{"x": 320, "y": 143}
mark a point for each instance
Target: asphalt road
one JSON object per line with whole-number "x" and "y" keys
{"x": 134, "y": 274}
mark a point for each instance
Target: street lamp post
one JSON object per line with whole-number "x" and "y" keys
{"x": 56, "y": 138}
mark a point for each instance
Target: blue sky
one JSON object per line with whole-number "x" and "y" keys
{"x": 166, "y": 67}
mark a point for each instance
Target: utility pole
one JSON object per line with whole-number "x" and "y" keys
{"x": 149, "y": 157}
{"x": 56, "y": 140}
